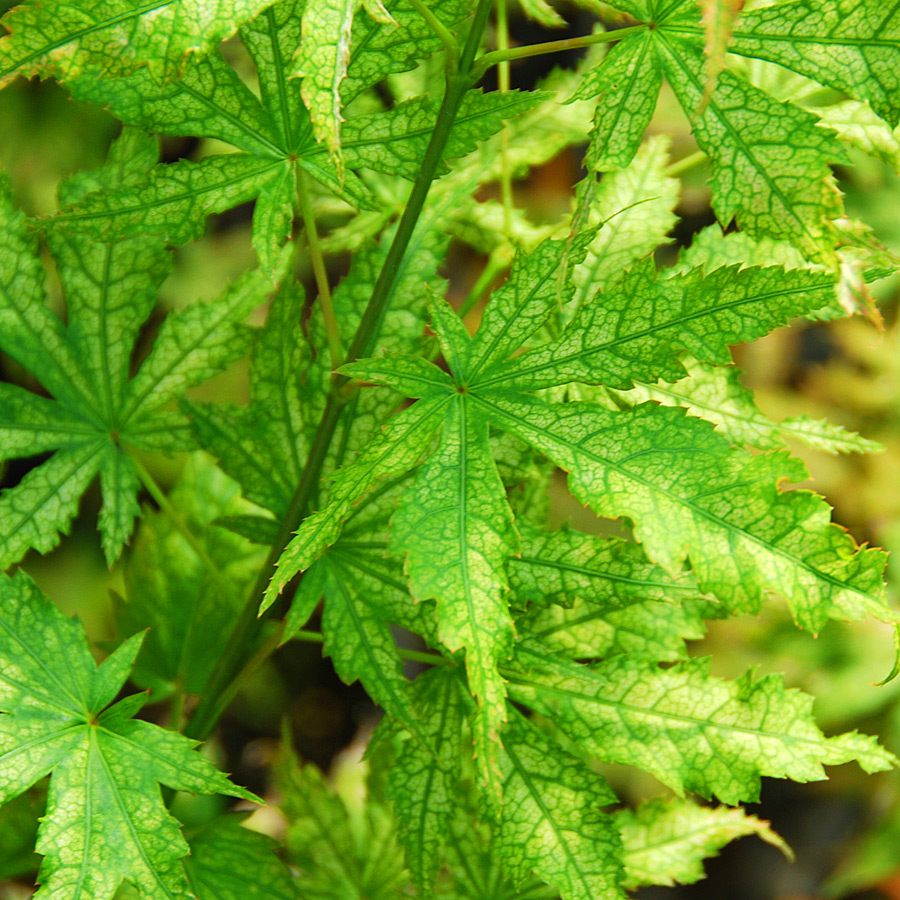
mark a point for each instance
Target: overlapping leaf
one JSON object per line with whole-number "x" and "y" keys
{"x": 275, "y": 136}
{"x": 423, "y": 780}
{"x": 690, "y": 494}
{"x": 105, "y": 819}
{"x": 339, "y": 857}
{"x": 98, "y": 414}
{"x": 551, "y": 821}
{"x": 188, "y": 603}
{"x": 851, "y": 45}
{"x": 692, "y": 731}
{"x": 229, "y": 862}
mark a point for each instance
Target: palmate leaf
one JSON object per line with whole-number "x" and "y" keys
{"x": 690, "y": 494}
{"x": 275, "y": 136}
{"x": 105, "y": 819}
{"x": 71, "y": 38}
{"x": 850, "y": 45}
{"x": 690, "y": 730}
{"x": 743, "y": 129}
{"x": 98, "y": 416}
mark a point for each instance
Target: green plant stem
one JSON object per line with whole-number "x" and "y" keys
{"x": 503, "y": 84}
{"x": 486, "y": 60}
{"x": 317, "y": 259}
{"x": 682, "y": 165}
{"x": 163, "y": 502}
{"x": 498, "y": 261}
{"x": 246, "y": 627}
{"x": 176, "y": 708}
{"x": 447, "y": 38}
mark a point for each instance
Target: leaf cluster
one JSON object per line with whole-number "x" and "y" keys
{"x": 389, "y": 472}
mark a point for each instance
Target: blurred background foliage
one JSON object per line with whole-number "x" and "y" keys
{"x": 846, "y": 831}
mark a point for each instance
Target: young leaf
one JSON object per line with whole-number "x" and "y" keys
{"x": 718, "y": 24}
{"x": 105, "y": 820}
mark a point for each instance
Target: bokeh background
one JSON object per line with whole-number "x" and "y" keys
{"x": 846, "y": 831}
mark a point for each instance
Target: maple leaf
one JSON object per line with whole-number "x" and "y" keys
{"x": 276, "y": 142}
{"x": 669, "y": 474}
{"x": 691, "y": 731}
{"x": 98, "y": 415}
{"x": 851, "y": 46}
{"x": 105, "y": 820}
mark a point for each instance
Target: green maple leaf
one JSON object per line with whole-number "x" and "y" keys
{"x": 105, "y": 820}
{"x": 277, "y": 144}
{"x": 691, "y": 731}
{"x": 851, "y": 46}
{"x": 98, "y": 415}
{"x": 685, "y": 488}
{"x": 72, "y": 38}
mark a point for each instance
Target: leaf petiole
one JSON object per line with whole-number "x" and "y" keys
{"x": 317, "y": 259}
{"x": 494, "y": 57}
{"x": 447, "y": 38}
